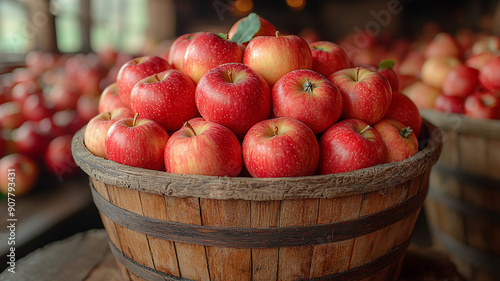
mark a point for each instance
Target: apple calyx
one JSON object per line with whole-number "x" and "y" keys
{"x": 405, "y": 132}
{"x": 186, "y": 124}
{"x": 309, "y": 86}
{"x": 487, "y": 101}
{"x": 365, "y": 129}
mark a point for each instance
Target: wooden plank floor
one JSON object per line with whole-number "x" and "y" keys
{"x": 86, "y": 257}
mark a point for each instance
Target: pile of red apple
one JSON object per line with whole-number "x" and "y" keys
{"x": 456, "y": 74}
{"x": 42, "y": 105}
{"x": 253, "y": 103}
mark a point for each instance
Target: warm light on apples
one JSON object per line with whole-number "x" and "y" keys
{"x": 328, "y": 57}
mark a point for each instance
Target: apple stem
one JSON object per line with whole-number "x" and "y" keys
{"x": 365, "y": 129}
{"x": 155, "y": 76}
{"x": 278, "y": 33}
{"x": 405, "y": 132}
{"x": 230, "y": 76}
{"x": 309, "y": 86}
{"x": 189, "y": 127}
{"x": 275, "y": 130}
{"x": 357, "y": 73}
{"x": 135, "y": 119}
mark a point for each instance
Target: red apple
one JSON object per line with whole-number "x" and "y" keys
{"x": 110, "y": 99}
{"x": 280, "y": 147}
{"x": 11, "y": 116}
{"x": 233, "y": 95}
{"x": 20, "y": 174}
{"x": 136, "y": 69}
{"x": 36, "y": 108}
{"x": 435, "y": 69}
{"x": 266, "y": 28}
{"x": 30, "y": 141}
{"x": 208, "y": 50}
{"x": 178, "y": 50}
{"x": 483, "y": 105}
{"x": 450, "y": 104}
{"x": 62, "y": 96}
{"x": 366, "y": 94}
{"x": 443, "y": 45}
{"x": 58, "y": 157}
{"x": 137, "y": 142}
{"x": 167, "y": 97}
{"x": 423, "y": 95}
{"x": 479, "y": 60}
{"x": 68, "y": 120}
{"x": 400, "y": 141}
{"x": 461, "y": 81}
{"x": 403, "y": 109}
{"x": 486, "y": 43}
{"x": 21, "y": 91}
{"x": 328, "y": 57}
{"x": 489, "y": 75}
{"x": 47, "y": 127}
{"x": 350, "y": 145}
{"x": 97, "y": 128}
{"x": 203, "y": 148}
{"x": 308, "y": 97}
{"x": 386, "y": 69}
{"x": 87, "y": 107}
{"x": 274, "y": 56}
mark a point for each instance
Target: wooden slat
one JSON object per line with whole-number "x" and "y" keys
{"x": 162, "y": 251}
{"x": 265, "y": 261}
{"x": 192, "y": 258}
{"x": 227, "y": 263}
{"x": 295, "y": 262}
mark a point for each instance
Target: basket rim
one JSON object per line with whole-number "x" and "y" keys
{"x": 376, "y": 178}
{"x": 461, "y": 123}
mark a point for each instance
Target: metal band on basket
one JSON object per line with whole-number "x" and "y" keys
{"x": 357, "y": 273}
{"x": 258, "y": 237}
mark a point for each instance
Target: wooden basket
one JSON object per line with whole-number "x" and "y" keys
{"x": 350, "y": 226}
{"x": 463, "y": 207}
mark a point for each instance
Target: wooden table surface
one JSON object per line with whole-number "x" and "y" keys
{"x": 86, "y": 257}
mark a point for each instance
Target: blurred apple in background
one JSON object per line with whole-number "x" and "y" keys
{"x": 308, "y": 97}
{"x": 30, "y": 140}
{"x": 25, "y": 174}
{"x": 36, "y": 108}
{"x": 412, "y": 64}
{"x": 203, "y": 148}
{"x": 280, "y": 147}
{"x": 208, "y": 50}
{"x": 274, "y": 56}
{"x": 479, "y": 60}
{"x": 11, "y": 116}
{"x": 399, "y": 139}
{"x": 483, "y": 105}
{"x": 486, "y": 43}
{"x": 489, "y": 75}
{"x": 350, "y": 145}
{"x": 461, "y": 81}
{"x": 450, "y": 104}
{"x": 167, "y": 97}
{"x": 58, "y": 158}
{"x": 423, "y": 95}
{"x": 328, "y": 57}
{"x": 62, "y": 96}
{"x": 435, "y": 69}
{"x": 443, "y": 45}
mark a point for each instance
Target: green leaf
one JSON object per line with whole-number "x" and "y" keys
{"x": 222, "y": 35}
{"x": 247, "y": 29}
{"x": 386, "y": 64}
